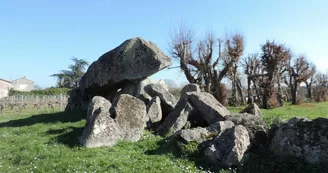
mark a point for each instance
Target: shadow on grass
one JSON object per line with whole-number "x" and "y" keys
{"x": 190, "y": 152}
{"x": 68, "y": 136}
{"x": 264, "y": 161}
{"x": 61, "y": 117}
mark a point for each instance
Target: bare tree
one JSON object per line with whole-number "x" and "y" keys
{"x": 251, "y": 65}
{"x": 273, "y": 56}
{"x": 299, "y": 72}
{"x": 199, "y": 62}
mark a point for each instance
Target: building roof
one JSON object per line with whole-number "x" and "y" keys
{"x": 5, "y": 80}
{"x": 24, "y": 77}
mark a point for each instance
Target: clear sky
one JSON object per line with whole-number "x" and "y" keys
{"x": 39, "y": 37}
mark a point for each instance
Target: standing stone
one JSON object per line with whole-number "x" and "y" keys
{"x": 126, "y": 122}
{"x": 302, "y": 138}
{"x": 130, "y": 114}
{"x": 133, "y": 60}
{"x": 210, "y": 108}
{"x": 102, "y": 130}
{"x": 154, "y": 110}
{"x": 252, "y": 109}
{"x": 177, "y": 119}
{"x": 228, "y": 149}
{"x": 97, "y": 103}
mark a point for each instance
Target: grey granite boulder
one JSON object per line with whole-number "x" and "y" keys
{"x": 302, "y": 138}
{"x": 177, "y": 119}
{"x": 97, "y": 103}
{"x": 133, "y": 60}
{"x": 200, "y": 134}
{"x": 130, "y": 114}
{"x": 167, "y": 99}
{"x": 228, "y": 149}
{"x": 192, "y": 87}
{"x": 210, "y": 108}
{"x": 252, "y": 109}
{"x": 154, "y": 110}
{"x": 125, "y": 120}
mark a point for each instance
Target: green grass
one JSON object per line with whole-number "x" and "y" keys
{"x": 47, "y": 141}
{"x": 306, "y": 110}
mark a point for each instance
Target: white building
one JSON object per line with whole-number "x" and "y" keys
{"x": 23, "y": 84}
{"x": 5, "y": 86}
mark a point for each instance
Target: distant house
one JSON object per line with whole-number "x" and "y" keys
{"x": 23, "y": 84}
{"x": 4, "y": 88}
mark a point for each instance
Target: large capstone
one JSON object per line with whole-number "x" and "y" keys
{"x": 133, "y": 60}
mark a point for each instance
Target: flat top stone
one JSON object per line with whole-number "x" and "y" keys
{"x": 133, "y": 60}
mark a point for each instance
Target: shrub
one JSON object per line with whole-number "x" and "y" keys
{"x": 48, "y": 91}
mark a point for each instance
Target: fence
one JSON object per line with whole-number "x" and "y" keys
{"x": 59, "y": 101}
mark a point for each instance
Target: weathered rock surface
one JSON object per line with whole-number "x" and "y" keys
{"x": 163, "y": 84}
{"x": 302, "y": 138}
{"x": 75, "y": 100}
{"x": 140, "y": 88}
{"x": 167, "y": 99}
{"x": 228, "y": 149}
{"x": 133, "y": 60}
{"x": 190, "y": 88}
{"x": 130, "y": 113}
{"x": 254, "y": 124}
{"x": 126, "y": 122}
{"x": 154, "y": 110}
{"x": 97, "y": 104}
{"x": 101, "y": 130}
{"x": 177, "y": 119}
{"x": 252, "y": 109}
{"x": 200, "y": 135}
{"x": 210, "y": 108}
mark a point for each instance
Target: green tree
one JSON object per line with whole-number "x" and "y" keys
{"x": 70, "y": 78}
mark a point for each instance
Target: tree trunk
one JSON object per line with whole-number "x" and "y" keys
{"x": 280, "y": 94}
{"x": 294, "y": 93}
{"x": 240, "y": 91}
{"x": 258, "y": 92}
{"x": 309, "y": 90}
{"x": 249, "y": 91}
{"x": 234, "y": 92}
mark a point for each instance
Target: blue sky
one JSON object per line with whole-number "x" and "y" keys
{"x": 39, "y": 37}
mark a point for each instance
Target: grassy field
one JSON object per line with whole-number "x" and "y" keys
{"x": 34, "y": 141}
{"x": 307, "y": 110}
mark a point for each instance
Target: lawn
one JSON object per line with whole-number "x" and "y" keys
{"x": 47, "y": 141}
{"x": 306, "y": 110}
